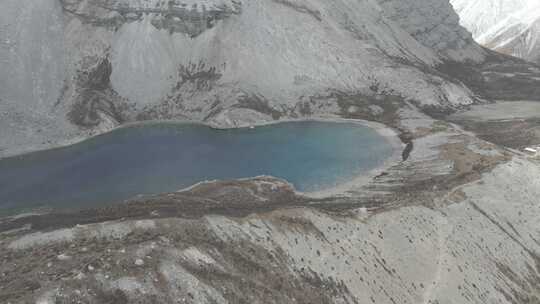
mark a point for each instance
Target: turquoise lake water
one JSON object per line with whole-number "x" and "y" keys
{"x": 157, "y": 158}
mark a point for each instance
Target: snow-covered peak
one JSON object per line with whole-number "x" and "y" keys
{"x": 517, "y": 35}
{"x": 519, "y": 21}
{"x": 478, "y": 16}
{"x": 508, "y": 26}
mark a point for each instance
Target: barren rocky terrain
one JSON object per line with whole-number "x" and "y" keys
{"x": 87, "y": 66}
{"x": 454, "y": 220}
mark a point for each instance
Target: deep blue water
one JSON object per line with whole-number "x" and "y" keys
{"x": 156, "y": 158}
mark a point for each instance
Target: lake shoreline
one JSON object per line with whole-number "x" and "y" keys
{"x": 341, "y": 188}
{"x": 381, "y": 129}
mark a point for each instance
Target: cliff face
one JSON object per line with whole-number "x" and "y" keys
{"x": 89, "y": 65}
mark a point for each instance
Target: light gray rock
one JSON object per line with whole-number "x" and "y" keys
{"x": 434, "y": 24}
{"x": 87, "y": 66}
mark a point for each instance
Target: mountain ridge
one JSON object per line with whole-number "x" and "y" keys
{"x": 509, "y": 27}
{"x": 117, "y": 61}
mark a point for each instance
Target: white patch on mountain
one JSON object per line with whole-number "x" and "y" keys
{"x": 508, "y": 26}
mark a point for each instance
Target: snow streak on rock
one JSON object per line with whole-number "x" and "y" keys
{"x": 508, "y": 26}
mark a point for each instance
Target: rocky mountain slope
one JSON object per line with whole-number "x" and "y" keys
{"x": 507, "y": 26}
{"x": 457, "y": 222}
{"x": 86, "y": 66}
{"x": 454, "y": 221}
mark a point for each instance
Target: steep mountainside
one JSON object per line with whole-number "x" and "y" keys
{"x": 89, "y": 65}
{"x": 455, "y": 219}
{"x": 509, "y": 27}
